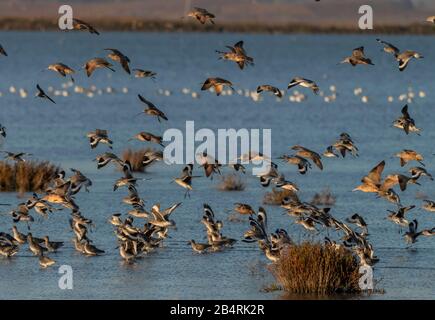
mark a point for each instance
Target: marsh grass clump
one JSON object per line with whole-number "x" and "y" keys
{"x": 317, "y": 269}
{"x": 29, "y": 176}
{"x": 136, "y": 158}
{"x": 231, "y": 182}
{"x": 325, "y": 198}
{"x": 276, "y": 196}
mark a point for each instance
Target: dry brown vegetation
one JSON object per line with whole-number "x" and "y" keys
{"x": 276, "y": 196}
{"x": 317, "y": 269}
{"x": 136, "y": 158}
{"x": 231, "y": 182}
{"x": 26, "y": 176}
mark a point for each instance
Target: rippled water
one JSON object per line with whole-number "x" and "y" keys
{"x": 57, "y": 132}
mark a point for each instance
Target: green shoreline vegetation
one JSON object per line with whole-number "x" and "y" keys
{"x": 43, "y": 24}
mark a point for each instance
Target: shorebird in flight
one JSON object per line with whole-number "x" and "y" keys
{"x": 357, "y": 57}
{"x": 302, "y": 163}
{"x": 128, "y": 179}
{"x": 405, "y": 122}
{"x": 62, "y": 69}
{"x": 118, "y": 56}
{"x": 202, "y": 15}
{"x": 307, "y": 153}
{"x": 407, "y": 155}
{"x": 146, "y": 136}
{"x": 140, "y": 73}
{"x": 185, "y": 180}
{"x": 2, "y": 131}
{"x": 345, "y": 144}
{"x": 417, "y": 172}
{"x": 3, "y": 52}
{"x": 298, "y": 81}
{"x": 42, "y": 94}
{"x": 217, "y": 83}
{"x": 243, "y": 208}
{"x": 18, "y": 157}
{"x": 329, "y": 153}
{"x": 81, "y": 25}
{"x": 97, "y": 136}
{"x": 152, "y": 110}
{"x": 429, "y": 205}
{"x": 237, "y": 54}
{"x": 105, "y": 158}
{"x": 266, "y": 87}
{"x": 404, "y": 57}
{"x": 95, "y": 63}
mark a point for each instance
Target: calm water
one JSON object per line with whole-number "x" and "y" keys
{"x": 57, "y": 132}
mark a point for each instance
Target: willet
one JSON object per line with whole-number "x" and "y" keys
{"x": 217, "y": 83}
{"x": 298, "y": 81}
{"x": 18, "y": 157}
{"x": 42, "y": 94}
{"x": 185, "y": 180}
{"x": 95, "y": 63}
{"x": 302, "y": 163}
{"x": 429, "y": 205}
{"x": 118, "y": 56}
{"x": 405, "y": 122}
{"x": 417, "y": 172}
{"x": 152, "y": 110}
{"x": 237, "y": 54}
{"x": 105, "y": 158}
{"x": 357, "y": 57}
{"x": 81, "y": 25}
{"x": 329, "y": 153}
{"x": 202, "y": 15}
{"x": 307, "y": 153}
{"x": 358, "y": 221}
{"x": 266, "y": 87}
{"x": 403, "y": 58}
{"x": 128, "y": 179}
{"x": 140, "y": 73}
{"x": 97, "y": 136}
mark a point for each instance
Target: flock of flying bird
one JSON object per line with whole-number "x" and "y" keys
{"x": 136, "y": 241}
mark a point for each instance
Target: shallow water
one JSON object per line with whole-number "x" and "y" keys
{"x": 57, "y": 132}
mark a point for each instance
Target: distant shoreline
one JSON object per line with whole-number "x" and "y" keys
{"x": 28, "y": 24}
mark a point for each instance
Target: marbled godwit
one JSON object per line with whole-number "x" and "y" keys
{"x": 140, "y": 73}
{"x": 407, "y": 155}
{"x": 357, "y": 57}
{"x": 217, "y": 83}
{"x": 118, "y": 56}
{"x": 146, "y": 136}
{"x": 81, "y": 25}
{"x": 202, "y": 15}
{"x": 243, "y": 208}
{"x": 298, "y": 81}
{"x": 405, "y": 122}
{"x": 97, "y": 136}
{"x": 266, "y": 87}
{"x": 45, "y": 261}
{"x": 62, "y": 69}
{"x": 42, "y": 94}
{"x": 152, "y": 110}
{"x": 388, "y": 47}
{"x": 95, "y": 63}
{"x": 372, "y": 182}
{"x": 237, "y": 54}
{"x": 393, "y": 179}
{"x": 52, "y": 246}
